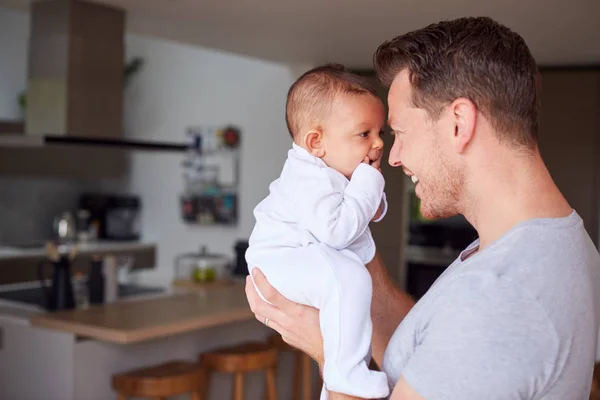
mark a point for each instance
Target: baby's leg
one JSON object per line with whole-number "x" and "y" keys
{"x": 339, "y": 285}
{"x": 347, "y": 328}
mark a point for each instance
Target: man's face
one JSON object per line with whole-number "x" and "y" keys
{"x": 352, "y": 132}
{"x": 422, "y": 148}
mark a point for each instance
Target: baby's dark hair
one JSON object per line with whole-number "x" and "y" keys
{"x": 311, "y": 97}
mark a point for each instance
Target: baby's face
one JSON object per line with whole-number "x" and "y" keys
{"x": 353, "y": 132}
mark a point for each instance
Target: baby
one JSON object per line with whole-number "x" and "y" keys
{"x": 312, "y": 237}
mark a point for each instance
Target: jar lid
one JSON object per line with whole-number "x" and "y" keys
{"x": 204, "y": 255}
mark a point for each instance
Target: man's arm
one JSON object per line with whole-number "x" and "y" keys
{"x": 389, "y": 306}
{"x": 402, "y": 391}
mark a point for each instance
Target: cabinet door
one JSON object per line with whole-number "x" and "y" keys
{"x": 570, "y": 138}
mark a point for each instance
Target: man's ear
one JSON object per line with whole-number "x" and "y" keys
{"x": 313, "y": 142}
{"x": 464, "y": 115}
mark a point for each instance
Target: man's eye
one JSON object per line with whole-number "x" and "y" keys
{"x": 397, "y": 133}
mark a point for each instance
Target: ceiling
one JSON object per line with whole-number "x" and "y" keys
{"x": 559, "y": 32}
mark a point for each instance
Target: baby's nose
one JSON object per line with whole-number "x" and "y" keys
{"x": 378, "y": 144}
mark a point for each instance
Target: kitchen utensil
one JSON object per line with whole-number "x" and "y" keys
{"x": 64, "y": 227}
{"x": 59, "y": 295}
{"x": 52, "y": 251}
{"x": 85, "y": 231}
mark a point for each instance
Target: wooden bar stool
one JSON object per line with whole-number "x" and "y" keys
{"x": 162, "y": 380}
{"x": 242, "y": 359}
{"x": 302, "y": 370}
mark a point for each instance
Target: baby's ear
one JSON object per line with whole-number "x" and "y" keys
{"x": 313, "y": 141}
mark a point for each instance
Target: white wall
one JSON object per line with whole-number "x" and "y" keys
{"x": 182, "y": 86}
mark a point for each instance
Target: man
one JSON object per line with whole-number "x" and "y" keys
{"x": 516, "y": 316}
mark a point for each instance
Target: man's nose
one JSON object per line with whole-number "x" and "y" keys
{"x": 394, "y": 158}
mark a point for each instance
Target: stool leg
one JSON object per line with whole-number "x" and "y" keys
{"x": 271, "y": 387}
{"x": 306, "y": 377}
{"x": 197, "y": 396}
{"x": 297, "y": 375}
{"x": 238, "y": 386}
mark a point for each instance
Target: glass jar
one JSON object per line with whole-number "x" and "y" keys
{"x": 202, "y": 267}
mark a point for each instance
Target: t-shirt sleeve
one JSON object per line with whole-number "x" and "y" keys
{"x": 484, "y": 338}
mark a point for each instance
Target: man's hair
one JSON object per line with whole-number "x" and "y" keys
{"x": 311, "y": 97}
{"x": 475, "y": 58}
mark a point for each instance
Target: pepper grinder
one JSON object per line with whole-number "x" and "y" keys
{"x": 96, "y": 281}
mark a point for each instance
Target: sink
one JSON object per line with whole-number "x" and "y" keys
{"x": 35, "y": 296}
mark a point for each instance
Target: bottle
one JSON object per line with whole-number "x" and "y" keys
{"x": 96, "y": 281}
{"x": 81, "y": 291}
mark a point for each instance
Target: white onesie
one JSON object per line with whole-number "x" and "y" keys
{"x": 312, "y": 241}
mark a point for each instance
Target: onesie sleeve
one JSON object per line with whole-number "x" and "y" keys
{"x": 337, "y": 216}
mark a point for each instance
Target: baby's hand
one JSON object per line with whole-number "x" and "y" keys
{"x": 375, "y": 163}
{"x": 378, "y": 213}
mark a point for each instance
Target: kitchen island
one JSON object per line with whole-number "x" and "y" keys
{"x": 135, "y": 321}
{"x": 71, "y": 355}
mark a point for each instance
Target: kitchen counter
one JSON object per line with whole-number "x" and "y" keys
{"x": 20, "y": 264}
{"x": 143, "y": 319}
{"x": 72, "y": 355}
{"x": 100, "y": 247}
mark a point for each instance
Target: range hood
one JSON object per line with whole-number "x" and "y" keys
{"x": 38, "y": 141}
{"x": 76, "y": 79}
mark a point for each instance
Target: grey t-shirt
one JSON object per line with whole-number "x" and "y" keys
{"x": 517, "y": 320}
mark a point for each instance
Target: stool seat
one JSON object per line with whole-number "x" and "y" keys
{"x": 167, "y": 379}
{"x": 277, "y": 342}
{"x": 243, "y": 358}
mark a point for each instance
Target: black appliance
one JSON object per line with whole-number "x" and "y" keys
{"x": 115, "y": 217}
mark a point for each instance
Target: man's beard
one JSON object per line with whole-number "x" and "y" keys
{"x": 442, "y": 192}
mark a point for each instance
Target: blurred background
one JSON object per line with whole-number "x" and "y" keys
{"x": 137, "y": 136}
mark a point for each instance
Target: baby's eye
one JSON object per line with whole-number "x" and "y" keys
{"x": 381, "y": 132}
{"x": 364, "y": 134}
